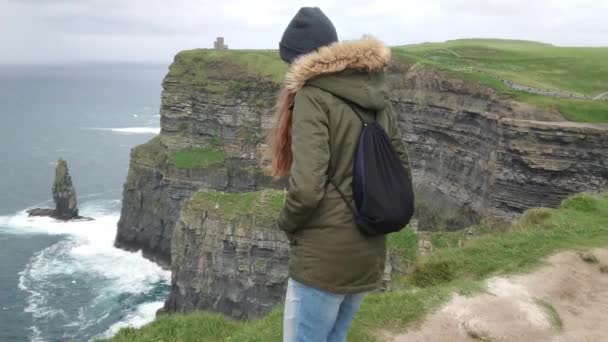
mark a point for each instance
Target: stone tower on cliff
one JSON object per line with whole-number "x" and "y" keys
{"x": 219, "y": 44}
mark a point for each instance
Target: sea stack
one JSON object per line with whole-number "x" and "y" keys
{"x": 64, "y": 196}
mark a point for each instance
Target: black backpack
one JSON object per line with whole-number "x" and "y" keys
{"x": 383, "y": 191}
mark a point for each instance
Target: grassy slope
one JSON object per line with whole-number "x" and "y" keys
{"x": 263, "y": 203}
{"x": 197, "y": 157}
{"x": 577, "y": 70}
{"x": 580, "y": 222}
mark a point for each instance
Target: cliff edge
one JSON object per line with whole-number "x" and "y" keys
{"x": 474, "y": 151}
{"x": 215, "y": 110}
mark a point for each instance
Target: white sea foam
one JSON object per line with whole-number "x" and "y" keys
{"x": 130, "y": 130}
{"x": 137, "y": 130}
{"x": 43, "y": 264}
{"x": 143, "y": 315}
{"x": 35, "y": 336}
{"x": 87, "y": 252}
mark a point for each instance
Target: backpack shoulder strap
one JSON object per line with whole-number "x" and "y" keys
{"x": 330, "y": 178}
{"x": 349, "y": 204}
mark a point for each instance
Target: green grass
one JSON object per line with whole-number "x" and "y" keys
{"x": 264, "y": 203}
{"x": 580, "y": 222}
{"x": 206, "y": 327}
{"x": 199, "y": 65}
{"x": 404, "y": 244}
{"x": 577, "y": 110}
{"x": 552, "y": 314}
{"x": 197, "y": 158}
{"x": 151, "y": 153}
{"x": 579, "y": 70}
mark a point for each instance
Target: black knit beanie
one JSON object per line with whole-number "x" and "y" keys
{"x": 309, "y": 30}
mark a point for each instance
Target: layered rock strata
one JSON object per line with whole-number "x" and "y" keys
{"x": 208, "y": 106}
{"x": 228, "y": 256}
{"x": 475, "y": 153}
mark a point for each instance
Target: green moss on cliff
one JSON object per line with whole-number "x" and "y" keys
{"x": 152, "y": 154}
{"x": 199, "y": 65}
{"x": 215, "y": 141}
{"x": 264, "y": 203}
{"x": 197, "y": 157}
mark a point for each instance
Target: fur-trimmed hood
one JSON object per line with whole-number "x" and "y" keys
{"x": 367, "y": 54}
{"x": 351, "y": 70}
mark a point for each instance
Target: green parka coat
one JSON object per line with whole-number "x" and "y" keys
{"x": 327, "y": 250}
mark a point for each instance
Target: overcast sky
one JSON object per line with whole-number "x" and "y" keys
{"x": 58, "y": 31}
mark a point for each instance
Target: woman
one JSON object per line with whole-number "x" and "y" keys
{"x": 332, "y": 265}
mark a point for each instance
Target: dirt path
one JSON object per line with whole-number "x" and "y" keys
{"x": 452, "y": 52}
{"x": 552, "y": 92}
{"x": 566, "y": 300}
{"x": 545, "y": 92}
{"x": 601, "y": 96}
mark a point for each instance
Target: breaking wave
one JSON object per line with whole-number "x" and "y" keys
{"x": 130, "y": 130}
{"x": 82, "y": 285}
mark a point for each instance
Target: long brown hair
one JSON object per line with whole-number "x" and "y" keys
{"x": 280, "y": 135}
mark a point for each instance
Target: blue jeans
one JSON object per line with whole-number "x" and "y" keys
{"x": 313, "y": 315}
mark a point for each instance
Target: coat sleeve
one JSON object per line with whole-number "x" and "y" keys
{"x": 397, "y": 142}
{"x": 311, "y": 154}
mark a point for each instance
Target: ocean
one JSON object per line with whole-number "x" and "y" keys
{"x": 64, "y": 280}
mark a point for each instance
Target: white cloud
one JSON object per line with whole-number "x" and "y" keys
{"x": 39, "y": 31}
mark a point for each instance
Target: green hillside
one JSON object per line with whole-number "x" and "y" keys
{"x": 580, "y": 222}
{"x": 577, "y": 70}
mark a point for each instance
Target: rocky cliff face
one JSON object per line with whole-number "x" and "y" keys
{"x": 473, "y": 151}
{"x": 476, "y": 154}
{"x": 208, "y": 106}
{"x": 227, "y": 254}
